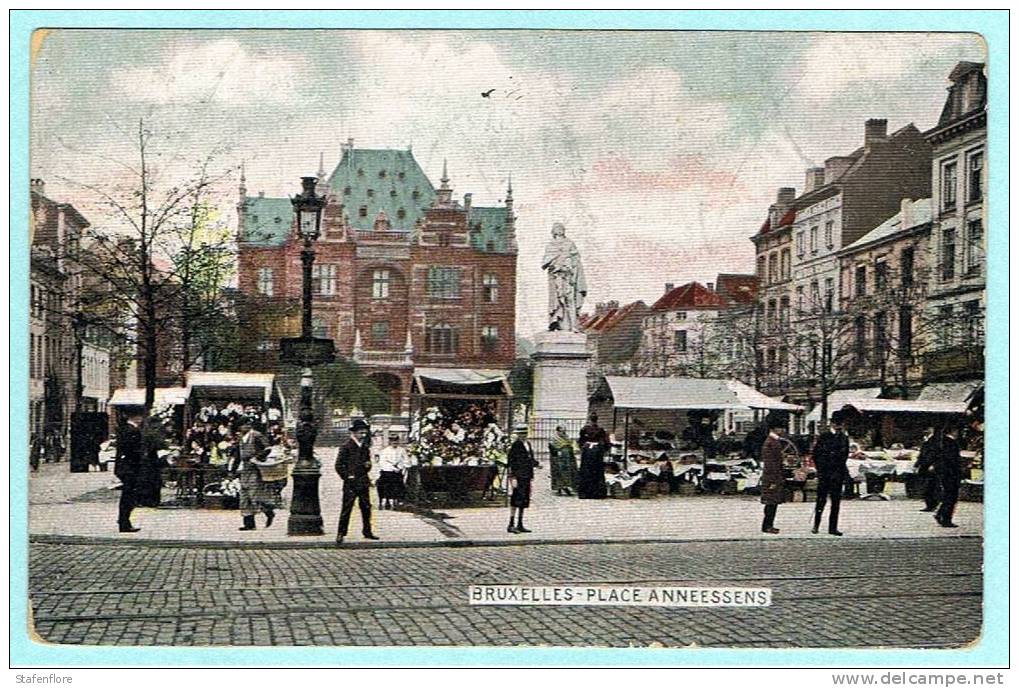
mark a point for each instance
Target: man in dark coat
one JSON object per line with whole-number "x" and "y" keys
{"x": 128, "y": 467}
{"x": 831, "y": 451}
{"x": 948, "y": 467}
{"x": 925, "y": 470}
{"x": 353, "y": 464}
{"x": 773, "y": 491}
{"x": 594, "y": 442}
{"x": 521, "y": 474}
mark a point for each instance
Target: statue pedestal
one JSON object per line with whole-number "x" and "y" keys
{"x": 561, "y": 363}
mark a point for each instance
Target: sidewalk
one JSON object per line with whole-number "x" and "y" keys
{"x": 77, "y": 506}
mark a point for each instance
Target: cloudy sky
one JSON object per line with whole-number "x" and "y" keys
{"x": 659, "y": 150}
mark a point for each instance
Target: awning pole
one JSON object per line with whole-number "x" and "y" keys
{"x": 626, "y": 438}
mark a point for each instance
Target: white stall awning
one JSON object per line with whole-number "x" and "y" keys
{"x": 686, "y": 393}
{"x": 135, "y": 396}
{"x": 255, "y": 387}
{"x": 466, "y": 381}
{"x": 869, "y": 404}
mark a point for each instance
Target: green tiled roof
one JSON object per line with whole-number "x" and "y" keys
{"x": 267, "y": 221}
{"x": 492, "y": 223}
{"x": 381, "y": 180}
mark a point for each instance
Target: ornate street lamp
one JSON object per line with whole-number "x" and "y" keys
{"x": 306, "y": 351}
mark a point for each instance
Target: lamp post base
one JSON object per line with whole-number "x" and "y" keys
{"x": 305, "y": 512}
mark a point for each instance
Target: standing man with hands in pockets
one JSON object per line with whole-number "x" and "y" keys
{"x": 830, "y": 455}
{"x": 353, "y": 464}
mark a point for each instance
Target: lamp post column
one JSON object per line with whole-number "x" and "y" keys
{"x": 305, "y": 510}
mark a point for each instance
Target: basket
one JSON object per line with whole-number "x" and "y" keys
{"x": 617, "y": 491}
{"x": 274, "y": 472}
{"x": 649, "y": 489}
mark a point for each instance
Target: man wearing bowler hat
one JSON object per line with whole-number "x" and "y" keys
{"x": 353, "y": 464}
{"x": 831, "y": 451}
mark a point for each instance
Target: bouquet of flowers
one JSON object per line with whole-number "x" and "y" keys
{"x": 494, "y": 444}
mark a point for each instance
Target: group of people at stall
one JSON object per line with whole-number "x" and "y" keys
{"x": 236, "y": 441}
{"x": 939, "y": 465}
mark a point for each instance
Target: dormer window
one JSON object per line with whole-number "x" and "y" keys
{"x": 401, "y": 175}
{"x": 346, "y": 191}
{"x": 362, "y": 211}
{"x": 360, "y": 172}
{"x": 254, "y": 218}
{"x": 416, "y": 195}
{"x": 401, "y": 213}
{"x": 382, "y": 174}
{"x": 278, "y": 220}
{"x": 392, "y": 193}
{"x": 371, "y": 193}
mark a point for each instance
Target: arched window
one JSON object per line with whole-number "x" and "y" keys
{"x": 441, "y": 339}
{"x": 490, "y": 285}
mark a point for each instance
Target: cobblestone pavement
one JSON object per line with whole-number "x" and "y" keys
{"x": 826, "y": 593}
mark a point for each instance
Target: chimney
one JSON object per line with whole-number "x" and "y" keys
{"x": 711, "y": 286}
{"x": 39, "y": 186}
{"x": 835, "y": 167}
{"x": 874, "y": 130}
{"x": 261, "y": 194}
{"x": 786, "y": 195}
{"x": 613, "y": 305}
{"x": 814, "y": 179}
{"x": 906, "y": 214}
{"x": 467, "y": 202}
{"x": 668, "y": 287}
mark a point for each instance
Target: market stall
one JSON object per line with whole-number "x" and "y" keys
{"x": 886, "y": 436}
{"x": 676, "y": 465}
{"x": 215, "y": 402}
{"x": 459, "y": 434}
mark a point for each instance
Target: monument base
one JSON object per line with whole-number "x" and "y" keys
{"x": 561, "y": 363}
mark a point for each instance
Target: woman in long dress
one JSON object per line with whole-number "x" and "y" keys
{"x": 594, "y": 442}
{"x": 563, "y": 457}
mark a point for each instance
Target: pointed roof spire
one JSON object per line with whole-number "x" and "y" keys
{"x": 321, "y": 165}
{"x": 242, "y": 188}
{"x": 445, "y": 175}
{"x": 509, "y": 187}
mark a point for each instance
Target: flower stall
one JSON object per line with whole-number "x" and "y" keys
{"x": 458, "y": 434}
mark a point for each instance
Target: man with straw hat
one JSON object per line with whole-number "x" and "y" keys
{"x": 521, "y": 474}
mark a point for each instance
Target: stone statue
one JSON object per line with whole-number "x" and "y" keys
{"x": 566, "y": 284}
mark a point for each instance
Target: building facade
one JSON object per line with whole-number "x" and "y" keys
{"x": 848, "y": 197}
{"x": 614, "y": 334}
{"x": 55, "y": 285}
{"x": 767, "y": 330}
{"x": 404, "y": 276}
{"x": 957, "y": 285}
{"x": 884, "y": 284}
{"x": 695, "y": 330}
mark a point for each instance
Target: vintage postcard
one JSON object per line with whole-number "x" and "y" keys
{"x": 543, "y": 337}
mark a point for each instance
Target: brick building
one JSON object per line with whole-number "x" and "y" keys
{"x": 404, "y": 276}
{"x": 768, "y": 331}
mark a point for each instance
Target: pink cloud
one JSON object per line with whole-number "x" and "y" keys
{"x": 684, "y": 172}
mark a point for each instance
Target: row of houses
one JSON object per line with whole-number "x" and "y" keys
{"x": 872, "y": 276}
{"x": 69, "y": 365}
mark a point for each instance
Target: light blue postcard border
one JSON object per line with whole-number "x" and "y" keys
{"x": 991, "y": 650}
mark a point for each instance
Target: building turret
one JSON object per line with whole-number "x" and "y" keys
{"x": 444, "y": 195}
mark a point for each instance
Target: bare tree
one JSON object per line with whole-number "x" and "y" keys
{"x": 140, "y": 273}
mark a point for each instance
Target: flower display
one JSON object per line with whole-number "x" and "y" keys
{"x": 471, "y": 437}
